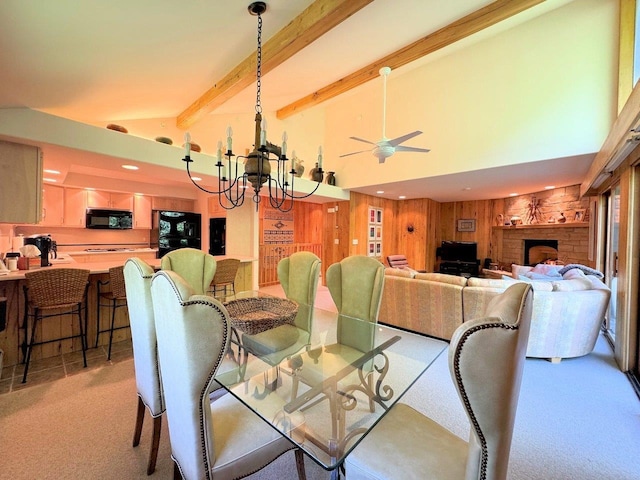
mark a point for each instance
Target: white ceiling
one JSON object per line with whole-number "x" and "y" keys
{"x": 95, "y": 62}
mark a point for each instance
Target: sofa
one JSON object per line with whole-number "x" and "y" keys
{"x": 567, "y": 312}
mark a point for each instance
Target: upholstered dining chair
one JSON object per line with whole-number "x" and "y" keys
{"x": 220, "y": 439}
{"x": 137, "y": 278}
{"x": 355, "y": 285}
{"x": 298, "y": 274}
{"x": 196, "y": 267}
{"x": 486, "y": 360}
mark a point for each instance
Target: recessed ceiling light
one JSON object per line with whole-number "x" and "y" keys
{"x": 513, "y": 194}
{"x": 129, "y": 167}
{"x": 196, "y": 179}
{"x": 466, "y": 188}
{"x": 52, "y": 172}
{"x": 50, "y": 180}
{"x": 549, "y": 187}
{"x": 90, "y": 188}
{"x": 402, "y": 197}
{"x": 380, "y": 192}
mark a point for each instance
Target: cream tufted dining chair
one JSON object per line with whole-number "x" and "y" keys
{"x": 298, "y": 275}
{"x": 486, "y": 360}
{"x": 196, "y": 267}
{"x": 220, "y": 439}
{"x": 137, "y": 279}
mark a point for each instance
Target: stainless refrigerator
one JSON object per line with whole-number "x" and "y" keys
{"x": 174, "y": 230}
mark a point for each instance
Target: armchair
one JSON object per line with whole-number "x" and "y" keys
{"x": 196, "y": 267}
{"x": 486, "y": 360}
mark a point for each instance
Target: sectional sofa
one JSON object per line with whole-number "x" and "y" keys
{"x": 567, "y": 312}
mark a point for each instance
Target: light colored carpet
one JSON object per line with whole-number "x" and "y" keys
{"x": 576, "y": 420}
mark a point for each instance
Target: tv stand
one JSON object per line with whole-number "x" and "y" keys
{"x": 462, "y": 269}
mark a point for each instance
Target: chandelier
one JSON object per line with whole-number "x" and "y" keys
{"x": 257, "y": 166}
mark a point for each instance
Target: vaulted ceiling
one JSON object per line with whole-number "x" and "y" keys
{"x": 98, "y": 62}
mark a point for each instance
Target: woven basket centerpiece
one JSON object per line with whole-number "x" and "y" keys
{"x": 255, "y": 315}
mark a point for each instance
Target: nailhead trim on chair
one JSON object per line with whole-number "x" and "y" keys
{"x": 463, "y": 393}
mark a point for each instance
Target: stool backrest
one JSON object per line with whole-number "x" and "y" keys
{"x": 57, "y": 286}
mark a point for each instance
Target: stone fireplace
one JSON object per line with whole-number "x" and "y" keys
{"x": 539, "y": 251}
{"x": 568, "y": 243}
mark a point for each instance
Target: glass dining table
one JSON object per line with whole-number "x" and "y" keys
{"x": 324, "y": 380}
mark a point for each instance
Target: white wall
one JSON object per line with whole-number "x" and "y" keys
{"x": 540, "y": 90}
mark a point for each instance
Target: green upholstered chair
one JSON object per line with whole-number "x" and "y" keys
{"x": 219, "y": 439}
{"x": 196, "y": 267}
{"x": 355, "y": 284}
{"x": 486, "y": 360}
{"x": 298, "y": 275}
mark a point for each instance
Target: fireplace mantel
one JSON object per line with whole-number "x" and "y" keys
{"x": 543, "y": 225}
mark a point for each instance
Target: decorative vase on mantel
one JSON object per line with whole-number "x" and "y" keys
{"x": 298, "y": 166}
{"x": 331, "y": 178}
{"x": 316, "y": 174}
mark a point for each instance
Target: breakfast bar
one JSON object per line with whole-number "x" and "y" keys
{"x": 98, "y": 263}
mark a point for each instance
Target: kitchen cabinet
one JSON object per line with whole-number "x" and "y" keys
{"x": 141, "y": 211}
{"x": 103, "y": 199}
{"x": 215, "y": 209}
{"x": 53, "y": 205}
{"x": 75, "y": 206}
{"x": 174, "y": 204}
{"x": 20, "y": 183}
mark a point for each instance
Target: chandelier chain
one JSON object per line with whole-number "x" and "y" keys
{"x": 259, "y": 66}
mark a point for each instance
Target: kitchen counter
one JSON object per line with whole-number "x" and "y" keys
{"x": 12, "y": 283}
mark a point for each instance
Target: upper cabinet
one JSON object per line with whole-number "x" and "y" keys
{"x": 141, "y": 211}
{"x": 20, "y": 183}
{"x": 53, "y": 205}
{"x": 102, "y": 199}
{"x": 174, "y": 204}
{"x": 75, "y": 207}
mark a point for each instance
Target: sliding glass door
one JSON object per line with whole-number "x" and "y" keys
{"x": 611, "y": 253}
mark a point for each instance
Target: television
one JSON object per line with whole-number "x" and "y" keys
{"x": 451, "y": 251}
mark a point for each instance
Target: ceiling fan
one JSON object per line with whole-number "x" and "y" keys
{"x": 385, "y": 147}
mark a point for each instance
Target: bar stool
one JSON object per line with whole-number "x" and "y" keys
{"x": 225, "y": 276}
{"x": 53, "y": 289}
{"x": 116, "y": 297}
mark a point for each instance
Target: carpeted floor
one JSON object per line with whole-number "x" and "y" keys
{"x": 579, "y": 419}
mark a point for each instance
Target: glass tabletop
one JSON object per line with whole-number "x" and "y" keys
{"x": 325, "y": 380}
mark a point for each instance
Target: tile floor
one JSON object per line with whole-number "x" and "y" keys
{"x": 55, "y": 368}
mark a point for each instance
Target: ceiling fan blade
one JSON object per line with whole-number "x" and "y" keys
{"x": 401, "y": 148}
{"x": 362, "y": 140}
{"x": 397, "y": 141}
{"x": 353, "y": 153}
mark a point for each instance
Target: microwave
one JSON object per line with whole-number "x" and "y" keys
{"x": 109, "y": 219}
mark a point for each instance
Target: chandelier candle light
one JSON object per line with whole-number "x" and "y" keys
{"x": 257, "y": 169}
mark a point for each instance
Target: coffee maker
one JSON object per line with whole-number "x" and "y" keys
{"x": 46, "y": 246}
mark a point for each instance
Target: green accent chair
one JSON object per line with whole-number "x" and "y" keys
{"x": 196, "y": 267}
{"x": 298, "y": 275}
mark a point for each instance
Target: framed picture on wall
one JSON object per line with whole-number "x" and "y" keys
{"x": 372, "y": 249}
{"x": 378, "y": 249}
{"x": 372, "y": 215}
{"x": 372, "y": 233}
{"x": 579, "y": 215}
{"x": 467, "y": 225}
{"x": 379, "y": 216}
{"x": 379, "y": 233}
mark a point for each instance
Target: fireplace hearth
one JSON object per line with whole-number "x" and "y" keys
{"x": 539, "y": 251}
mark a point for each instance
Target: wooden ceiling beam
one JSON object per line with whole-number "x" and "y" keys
{"x": 464, "y": 27}
{"x": 320, "y": 17}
